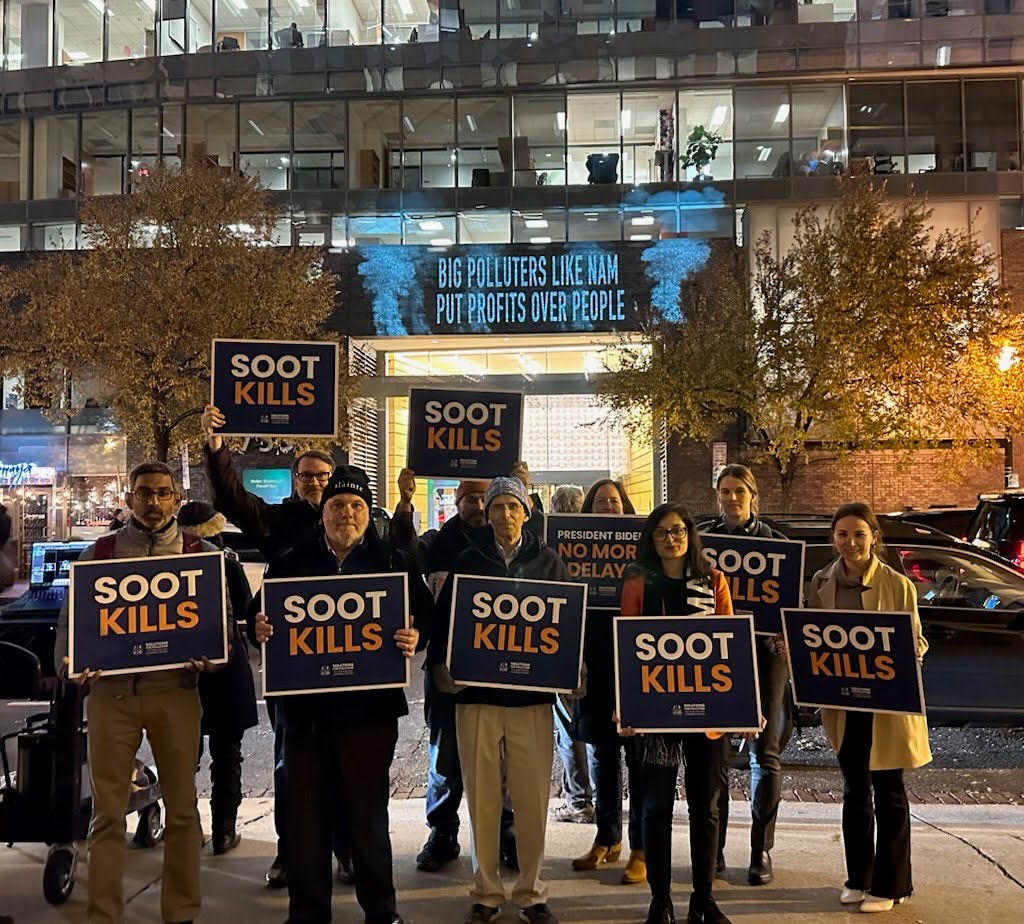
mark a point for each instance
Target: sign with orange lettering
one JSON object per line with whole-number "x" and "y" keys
{"x": 686, "y": 674}
{"x": 130, "y": 615}
{"x": 275, "y": 387}
{"x": 854, "y": 659}
{"x": 336, "y": 633}
{"x": 597, "y": 549}
{"x": 517, "y": 634}
{"x": 464, "y": 434}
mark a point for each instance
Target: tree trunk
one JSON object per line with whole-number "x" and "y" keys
{"x": 786, "y": 467}
{"x": 161, "y": 443}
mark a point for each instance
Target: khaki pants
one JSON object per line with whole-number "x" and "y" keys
{"x": 524, "y": 736}
{"x": 118, "y": 710}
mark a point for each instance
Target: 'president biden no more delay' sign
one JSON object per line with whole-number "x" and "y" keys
{"x": 516, "y": 634}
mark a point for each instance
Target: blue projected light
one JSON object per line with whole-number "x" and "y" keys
{"x": 669, "y": 262}
{"x": 390, "y": 275}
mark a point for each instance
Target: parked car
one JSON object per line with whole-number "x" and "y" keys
{"x": 950, "y": 519}
{"x": 997, "y": 524}
{"x": 971, "y": 603}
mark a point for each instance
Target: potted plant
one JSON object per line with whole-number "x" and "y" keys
{"x": 701, "y": 148}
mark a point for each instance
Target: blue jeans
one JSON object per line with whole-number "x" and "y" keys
{"x": 606, "y": 769}
{"x": 577, "y": 785}
{"x": 444, "y": 777}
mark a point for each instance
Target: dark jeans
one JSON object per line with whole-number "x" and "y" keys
{"x": 577, "y": 787}
{"x": 765, "y": 754}
{"x": 328, "y": 764}
{"x": 879, "y": 866}
{"x": 702, "y": 777}
{"x": 607, "y": 772}
{"x": 342, "y": 848}
{"x": 225, "y": 779}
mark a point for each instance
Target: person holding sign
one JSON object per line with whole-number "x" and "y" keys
{"x": 163, "y": 703}
{"x": 737, "y": 499}
{"x": 671, "y": 578}
{"x": 499, "y": 727}
{"x": 339, "y": 746}
{"x": 873, "y": 748}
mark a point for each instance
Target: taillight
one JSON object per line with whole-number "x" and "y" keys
{"x": 1018, "y": 554}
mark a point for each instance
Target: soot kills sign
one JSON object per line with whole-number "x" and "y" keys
{"x": 128, "y": 615}
{"x": 464, "y": 434}
{"x": 275, "y": 388}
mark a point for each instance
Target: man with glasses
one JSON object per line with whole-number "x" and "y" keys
{"x": 275, "y": 529}
{"x": 163, "y": 703}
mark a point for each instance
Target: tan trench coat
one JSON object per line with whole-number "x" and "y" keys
{"x": 899, "y": 742}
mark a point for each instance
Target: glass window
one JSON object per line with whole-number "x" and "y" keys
{"x": 588, "y": 17}
{"x": 131, "y": 32}
{"x": 57, "y": 236}
{"x": 482, "y": 124}
{"x": 200, "y": 21}
{"x": 529, "y": 19}
{"x": 819, "y": 145}
{"x": 29, "y": 34}
{"x": 145, "y": 146}
{"x": 10, "y": 160}
{"x": 55, "y": 159}
{"x": 648, "y": 137}
{"x": 79, "y": 25}
{"x": 373, "y": 134}
{"x": 536, "y": 154}
{"x": 595, "y": 127}
{"x": 875, "y": 119}
{"x": 211, "y": 134}
{"x": 991, "y": 108}
{"x": 12, "y": 240}
{"x": 263, "y": 127}
{"x": 538, "y": 227}
{"x": 762, "y": 132}
{"x": 959, "y": 579}
{"x": 595, "y": 225}
{"x": 242, "y": 26}
{"x": 354, "y": 22}
{"x": 409, "y": 21}
{"x": 319, "y": 158}
{"x": 480, "y": 17}
{"x": 104, "y": 152}
{"x": 172, "y": 134}
{"x": 711, "y": 110}
{"x": 374, "y": 229}
{"x": 934, "y": 133}
{"x": 437, "y": 230}
{"x": 428, "y": 157}
{"x": 297, "y": 25}
{"x": 485, "y": 226}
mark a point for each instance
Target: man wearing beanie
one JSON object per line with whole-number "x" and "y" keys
{"x": 228, "y": 696}
{"x": 339, "y": 746}
{"x": 496, "y": 725}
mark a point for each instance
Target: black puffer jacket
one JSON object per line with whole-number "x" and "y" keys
{"x": 536, "y": 562}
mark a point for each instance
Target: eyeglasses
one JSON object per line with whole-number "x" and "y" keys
{"x": 676, "y": 532}
{"x": 147, "y": 494}
{"x": 307, "y": 477}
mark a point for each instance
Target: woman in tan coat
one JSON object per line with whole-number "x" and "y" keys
{"x": 873, "y": 748}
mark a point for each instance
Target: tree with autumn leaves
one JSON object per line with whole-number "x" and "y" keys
{"x": 871, "y": 332}
{"x": 185, "y": 258}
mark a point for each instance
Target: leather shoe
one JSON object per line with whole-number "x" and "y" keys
{"x": 345, "y": 874}
{"x": 277, "y": 875}
{"x": 760, "y": 872}
{"x": 705, "y": 911}
{"x": 636, "y": 868}
{"x": 720, "y": 865}
{"x": 509, "y": 855}
{"x": 661, "y": 912}
{"x": 598, "y": 855}
{"x": 225, "y": 841}
{"x": 439, "y": 849}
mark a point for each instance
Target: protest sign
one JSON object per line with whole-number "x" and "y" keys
{"x": 464, "y": 434}
{"x": 854, "y": 659}
{"x": 597, "y": 549}
{"x": 336, "y": 633}
{"x": 516, "y": 634}
{"x": 130, "y": 615}
{"x": 275, "y": 387}
{"x": 764, "y": 575}
{"x": 686, "y": 674}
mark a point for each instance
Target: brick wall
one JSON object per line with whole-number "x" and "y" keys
{"x": 1012, "y": 268}
{"x": 882, "y": 479}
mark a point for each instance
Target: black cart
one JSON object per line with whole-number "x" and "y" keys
{"x": 45, "y": 797}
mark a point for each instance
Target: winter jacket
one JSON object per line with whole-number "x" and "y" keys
{"x": 753, "y": 527}
{"x": 898, "y": 742}
{"x": 534, "y": 562}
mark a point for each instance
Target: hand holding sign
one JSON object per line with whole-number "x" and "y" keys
{"x": 212, "y": 420}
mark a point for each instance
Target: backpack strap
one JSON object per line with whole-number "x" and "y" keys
{"x": 104, "y": 546}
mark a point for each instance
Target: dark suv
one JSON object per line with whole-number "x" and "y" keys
{"x": 998, "y": 525}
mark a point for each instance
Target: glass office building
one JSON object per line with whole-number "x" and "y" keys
{"x": 513, "y": 126}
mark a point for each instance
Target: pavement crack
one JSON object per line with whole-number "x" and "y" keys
{"x": 145, "y": 888}
{"x": 981, "y": 853}
{"x": 266, "y": 814}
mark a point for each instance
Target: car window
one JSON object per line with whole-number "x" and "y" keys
{"x": 943, "y": 577}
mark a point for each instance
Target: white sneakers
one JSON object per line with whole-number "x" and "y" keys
{"x": 869, "y": 904}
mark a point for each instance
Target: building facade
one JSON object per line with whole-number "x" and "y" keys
{"x": 495, "y": 130}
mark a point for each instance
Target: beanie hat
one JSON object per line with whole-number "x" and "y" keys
{"x": 348, "y": 479}
{"x": 511, "y": 486}
{"x": 470, "y": 487}
{"x": 201, "y": 519}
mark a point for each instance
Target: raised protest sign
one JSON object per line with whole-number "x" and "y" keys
{"x": 686, "y": 674}
{"x": 597, "y": 549}
{"x": 335, "y": 633}
{"x": 854, "y": 659}
{"x": 464, "y": 434}
{"x": 129, "y": 615}
{"x": 764, "y": 575}
{"x": 516, "y": 634}
{"x": 275, "y": 387}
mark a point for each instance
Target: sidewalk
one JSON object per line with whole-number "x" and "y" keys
{"x": 968, "y": 866}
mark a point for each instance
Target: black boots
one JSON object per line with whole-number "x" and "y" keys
{"x": 704, "y": 910}
{"x": 440, "y": 848}
{"x": 661, "y": 912}
{"x": 760, "y": 872}
{"x": 225, "y": 837}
